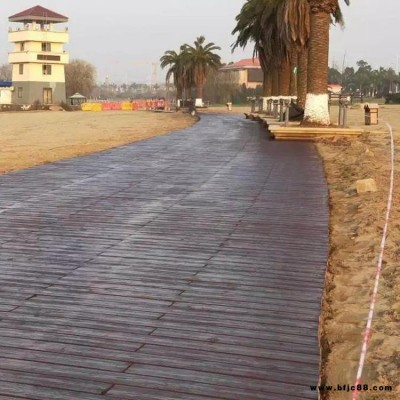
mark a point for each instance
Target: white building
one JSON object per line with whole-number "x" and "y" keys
{"x": 38, "y": 58}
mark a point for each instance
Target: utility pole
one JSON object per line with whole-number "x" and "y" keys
{"x": 155, "y": 74}
{"x": 343, "y": 67}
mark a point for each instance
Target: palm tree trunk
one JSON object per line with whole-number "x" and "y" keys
{"x": 179, "y": 92}
{"x": 302, "y": 77}
{"x": 199, "y": 82}
{"x": 199, "y": 91}
{"x": 199, "y": 94}
{"x": 293, "y": 74}
{"x": 267, "y": 74}
{"x": 284, "y": 78}
{"x": 316, "y": 109}
{"x": 275, "y": 81}
{"x": 267, "y": 84}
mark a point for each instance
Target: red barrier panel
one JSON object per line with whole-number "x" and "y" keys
{"x": 106, "y": 106}
{"x": 116, "y": 106}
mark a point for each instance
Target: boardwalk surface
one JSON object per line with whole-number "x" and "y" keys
{"x": 189, "y": 266}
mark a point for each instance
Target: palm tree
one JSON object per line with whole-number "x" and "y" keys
{"x": 289, "y": 34}
{"x": 186, "y": 72}
{"x": 200, "y": 59}
{"x": 316, "y": 109}
{"x": 279, "y": 30}
{"x": 294, "y": 26}
{"x": 176, "y": 63}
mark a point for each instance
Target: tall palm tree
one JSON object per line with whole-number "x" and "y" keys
{"x": 201, "y": 59}
{"x": 279, "y": 30}
{"x": 186, "y": 72}
{"x": 175, "y": 62}
{"x": 316, "y": 109}
{"x": 180, "y": 69}
{"x": 294, "y": 27}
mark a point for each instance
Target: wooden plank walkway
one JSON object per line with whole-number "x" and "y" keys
{"x": 189, "y": 266}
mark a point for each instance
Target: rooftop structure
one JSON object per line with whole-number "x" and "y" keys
{"x": 38, "y": 14}
{"x": 247, "y": 63}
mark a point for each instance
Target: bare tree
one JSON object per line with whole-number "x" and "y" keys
{"x": 80, "y": 77}
{"x": 5, "y": 72}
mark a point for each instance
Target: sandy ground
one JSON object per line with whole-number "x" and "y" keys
{"x": 356, "y": 231}
{"x": 32, "y": 138}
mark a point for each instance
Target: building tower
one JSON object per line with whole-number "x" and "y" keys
{"x": 38, "y": 58}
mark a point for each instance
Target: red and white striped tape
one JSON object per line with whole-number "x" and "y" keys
{"x": 368, "y": 332}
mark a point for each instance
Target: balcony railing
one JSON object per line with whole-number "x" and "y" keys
{"x": 38, "y": 35}
{"x": 37, "y": 28}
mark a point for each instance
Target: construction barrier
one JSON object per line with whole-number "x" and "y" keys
{"x": 126, "y": 106}
{"x": 91, "y": 107}
{"x": 106, "y": 106}
{"x": 86, "y": 107}
{"x": 96, "y": 107}
{"x": 116, "y": 106}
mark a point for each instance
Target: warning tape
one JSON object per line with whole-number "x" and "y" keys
{"x": 368, "y": 330}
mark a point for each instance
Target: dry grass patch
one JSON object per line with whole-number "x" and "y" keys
{"x": 34, "y": 138}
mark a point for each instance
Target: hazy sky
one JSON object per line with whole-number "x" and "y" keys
{"x": 122, "y": 37}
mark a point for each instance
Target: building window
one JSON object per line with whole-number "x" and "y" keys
{"x": 48, "y": 57}
{"x": 22, "y": 46}
{"x": 21, "y": 69}
{"x": 20, "y": 92}
{"x": 46, "y": 69}
{"x": 46, "y": 46}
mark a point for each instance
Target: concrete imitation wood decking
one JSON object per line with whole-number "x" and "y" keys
{"x": 189, "y": 266}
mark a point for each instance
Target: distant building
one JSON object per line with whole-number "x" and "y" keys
{"x": 38, "y": 58}
{"x": 6, "y": 90}
{"x": 247, "y": 72}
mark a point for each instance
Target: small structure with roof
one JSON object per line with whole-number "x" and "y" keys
{"x": 246, "y": 72}
{"x": 77, "y": 99}
{"x": 38, "y": 58}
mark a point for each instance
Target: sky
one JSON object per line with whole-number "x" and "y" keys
{"x": 122, "y": 38}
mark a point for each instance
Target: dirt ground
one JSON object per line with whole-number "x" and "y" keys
{"x": 33, "y": 138}
{"x": 356, "y": 231}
